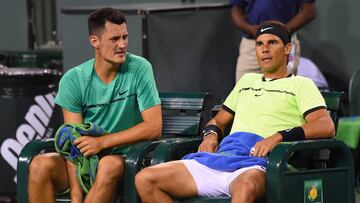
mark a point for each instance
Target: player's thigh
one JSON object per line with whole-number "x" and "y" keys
{"x": 171, "y": 177}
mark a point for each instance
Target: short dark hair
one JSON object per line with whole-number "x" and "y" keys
{"x": 98, "y": 18}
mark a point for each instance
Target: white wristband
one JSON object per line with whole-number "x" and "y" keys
{"x": 208, "y": 132}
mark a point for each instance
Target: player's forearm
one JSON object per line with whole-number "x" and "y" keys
{"x": 213, "y": 122}
{"x": 305, "y": 15}
{"x": 238, "y": 17}
{"x": 141, "y": 132}
{"x": 222, "y": 119}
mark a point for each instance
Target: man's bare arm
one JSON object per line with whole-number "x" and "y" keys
{"x": 210, "y": 142}
{"x": 238, "y": 17}
{"x": 148, "y": 129}
{"x": 306, "y": 14}
{"x": 70, "y": 117}
{"x": 318, "y": 125}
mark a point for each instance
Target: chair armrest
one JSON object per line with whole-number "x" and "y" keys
{"x": 168, "y": 149}
{"x": 136, "y": 154}
{"x": 160, "y": 149}
{"x": 29, "y": 151}
{"x": 277, "y": 169}
{"x": 133, "y": 164}
{"x": 283, "y": 151}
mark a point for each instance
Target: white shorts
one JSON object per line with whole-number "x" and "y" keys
{"x": 213, "y": 183}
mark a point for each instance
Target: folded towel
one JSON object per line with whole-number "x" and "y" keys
{"x": 233, "y": 153}
{"x": 86, "y": 167}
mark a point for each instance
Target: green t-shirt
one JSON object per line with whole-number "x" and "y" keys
{"x": 264, "y": 107}
{"x": 115, "y": 106}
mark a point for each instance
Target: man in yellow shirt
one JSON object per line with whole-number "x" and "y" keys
{"x": 266, "y": 109}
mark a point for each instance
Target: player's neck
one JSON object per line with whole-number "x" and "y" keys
{"x": 280, "y": 73}
{"x": 106, "y": 71}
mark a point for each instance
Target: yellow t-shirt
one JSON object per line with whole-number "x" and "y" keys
{"x": 264, "y": 107}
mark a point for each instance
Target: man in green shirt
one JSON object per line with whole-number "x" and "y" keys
{"x": 117, "y": 91}
{"x": 265, "y": 109}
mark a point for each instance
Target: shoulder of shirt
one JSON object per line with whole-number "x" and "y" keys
{"x": 301, "y": 79}
{"x": 134, "y": 58}
{"x": 247, "y": 79}
{"x": 84, "y": 66}
{"x": 137, "y": 63}
{"x": 301, "y": 83}
{"x": 82, "y": 70}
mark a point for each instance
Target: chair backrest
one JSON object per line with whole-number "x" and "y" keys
{"x": 184, "y": 114}
{"x": 354, "y": 94}
{"x": 333, "y": 102}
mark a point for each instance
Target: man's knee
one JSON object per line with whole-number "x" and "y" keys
{"x": 250, "y": 187}
{"x": 145, "y": 180}
{"x": 144, "y": 177}
{"x": 246, "y": 187}
{"x": 111, "y": 167}
{"x": 42, "y": 167}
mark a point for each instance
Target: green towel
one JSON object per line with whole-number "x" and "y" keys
{"x": 349, "y": 131}
{"x": 86, "y": 167}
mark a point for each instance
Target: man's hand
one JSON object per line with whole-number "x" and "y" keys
{"x": 209, "y": 144}
{"x": 262, "y": 148}
{"x": 89, "y": 145}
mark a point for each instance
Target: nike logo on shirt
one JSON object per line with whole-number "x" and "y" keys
{"x": 121, "y": 93}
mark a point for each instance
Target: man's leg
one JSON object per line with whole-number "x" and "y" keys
{"x": 295, "y": 53}
{"x": 110, "y": 169}
{"x": 76, "y": 192}
{"x": 248, "y": 186}
{"x": 247, "y": 61}
{"x": 161, "y": 182}
{"x": 47, "y": 175}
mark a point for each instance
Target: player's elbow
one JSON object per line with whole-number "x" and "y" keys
{"x": 310, "y": 10}
{"x": 155, "y": 129}
{"x": 330, "y": 129}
